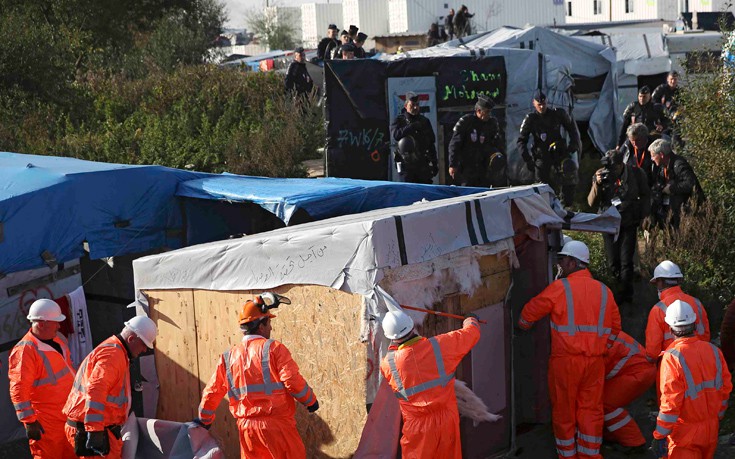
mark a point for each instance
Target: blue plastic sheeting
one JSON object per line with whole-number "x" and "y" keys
{"x": 320, "y": 198}
{"x": 55, "y": 204}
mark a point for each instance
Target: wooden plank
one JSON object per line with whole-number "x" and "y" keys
{"x": 321, "y": 328}
{"x": 176, "y": 353}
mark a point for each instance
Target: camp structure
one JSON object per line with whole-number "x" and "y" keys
{"x": 364, "y": 95}
{"x": 486, "y": 253}
{"x": 592, "y": 68}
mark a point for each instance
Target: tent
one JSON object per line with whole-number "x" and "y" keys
{"x": 486, "y": 252}
{"x": 592, "y": 66}
{"x": 363, "y": 95}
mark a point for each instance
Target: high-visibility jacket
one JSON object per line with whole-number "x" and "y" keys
{"x": 261, "y": 379}
{"x": 100, "y": 395}
{"x": 658, "y": 333}
{"x": 40, "y": 379}
{"x": 421, "y": 374}
{"x": 624, "y": 353}
{"x": 695, "y": 387}
{"x": 583, "y": 314}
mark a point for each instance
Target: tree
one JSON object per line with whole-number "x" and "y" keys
{"x": 272, "y": 30}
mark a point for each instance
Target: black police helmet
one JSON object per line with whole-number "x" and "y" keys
{"x": 407, "y": 145}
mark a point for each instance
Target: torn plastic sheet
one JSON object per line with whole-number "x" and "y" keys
{"x": 145, "y": 438}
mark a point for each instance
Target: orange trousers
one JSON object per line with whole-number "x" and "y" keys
{"x": 576, "y": 404}
{"x": 115, "y": 444}
{"x": 52, "y": 444}
{"x": 620, "y": 391}
{"x": 432, "y": 436}
{"x": 694, "y": 441}
{"x": 270, "y": 438}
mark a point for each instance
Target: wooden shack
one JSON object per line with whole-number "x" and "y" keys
{"x": 485, "y": 253}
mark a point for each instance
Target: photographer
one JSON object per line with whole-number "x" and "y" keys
{"x": 674, "y": 184}
{"x": 625, "y": 187}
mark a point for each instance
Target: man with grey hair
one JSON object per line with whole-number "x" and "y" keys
{"x": 634, "y": 150}
{"x": 674, "y": 183}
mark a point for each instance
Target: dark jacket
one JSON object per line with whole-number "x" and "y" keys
{"x": 298, "y": 78}
{"x": 631, "y": 188}
{"x": 419, "y": 127}
{"x": 545, "y": 130}
{"x": 325, "y": 47}
{"x": 664, "y": 94}
{"x": 473, "y": 141}
{"x": 649, "y": 114}
{"x": 359, "y": 52}
{"x": 449, "y": 24}
{"x": 682, "y": 182}
{"x": 641, "y": 160}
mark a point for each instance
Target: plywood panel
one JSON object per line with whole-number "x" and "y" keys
{"x": 176, "y": 353}
{"x": 321, "y": 328}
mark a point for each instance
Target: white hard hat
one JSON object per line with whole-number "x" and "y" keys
{"x": 679, "y": 314}
{"x": 45, "y": 310}
{"x": 144, "y": 327}
{"x": 397, "y": 324}
{"x": 565, "y": 239}
{"x": 576, "y": 249}
{"x": 666, "y": 270}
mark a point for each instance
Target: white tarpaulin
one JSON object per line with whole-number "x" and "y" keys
{"x": 350, "y": 252}
{"x": 584, "y": 58}
{"x": 157, "y": 439}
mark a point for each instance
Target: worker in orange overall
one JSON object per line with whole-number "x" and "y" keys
{"x": 262, "y": 380}
{"x": 99, "y": 402}
{"x": 628, "y": 375}
{"x": 583, "y": 316}
{"x": 41, "y": 374}
{"x": 695, "y": 387}
{"x": 421, "y": 373}
{"x": 667, "y": 278}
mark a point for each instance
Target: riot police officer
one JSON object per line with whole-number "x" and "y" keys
{"x": 475, "y": 141}
{"x": 328, "y": 43}
{"x": 645, "y": 111}
{"x": 416, "y": 143}
{"x": 666, "y": 93}
{"x": 344, "y": 40}
{"x": 550, "y": 152}
{"x": 298, "y": 81}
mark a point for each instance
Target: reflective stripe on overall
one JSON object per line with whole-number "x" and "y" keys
{"x": 700, "y": 322}
{"x": 268, "y": 387}
{"x": 120, "y": 401}
{"x": 24, "y": 408}
{"x": 443, "y": 379}
{"x": 571, "y": 328}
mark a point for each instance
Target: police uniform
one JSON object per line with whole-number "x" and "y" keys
{"x": 298, "y": 79}
{"x": 649, "y": 114}
{"x": 360, "y": 50}
{"x": 550, "y": 149}
{"x": 473, "y": 143}
{"x": 337, "y": 50}
{"x": 419, "y": 160}
{"x": 326, "y": 45}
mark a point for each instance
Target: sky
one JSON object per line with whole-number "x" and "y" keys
{"x": 237, "y": 9}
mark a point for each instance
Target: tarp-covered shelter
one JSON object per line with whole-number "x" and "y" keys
{"x": 361, "y": 94}
{"x": 486, "y": 252}
{"x": 592, "y": 67}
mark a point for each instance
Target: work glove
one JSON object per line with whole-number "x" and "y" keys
{"x": 434, "y": 169}
{"x": 96, "y": 441}
{"x": 313, "y": 407}
{"x": 471, "y": 315}
{"x": 660, "y": 448}
{"x": 116, "y": 430}
{"x": 199, "y": 423}
{"x": 34, "y": 430}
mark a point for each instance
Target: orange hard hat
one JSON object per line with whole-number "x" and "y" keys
{"x": 252, "y": 311}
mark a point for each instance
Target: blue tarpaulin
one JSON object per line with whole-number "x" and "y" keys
{"x": 53, "y": 204}
{"x": 320, "y": 198}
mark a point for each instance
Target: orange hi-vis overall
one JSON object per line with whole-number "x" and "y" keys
{"x": 658, "y": 333}
{"x": 628, "y": 375}
{"x": 261, "y": 380}
{"x": 695, "y": 387}
{"x": 583, "y": 316}
{"x": 100, "y": 396}
{"x": 40, "y": 381}
{"x": 421, "y": 374}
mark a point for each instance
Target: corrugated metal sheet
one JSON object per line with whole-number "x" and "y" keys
{"x": 371, "y": 16}
{"x": 315, "y": 18}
